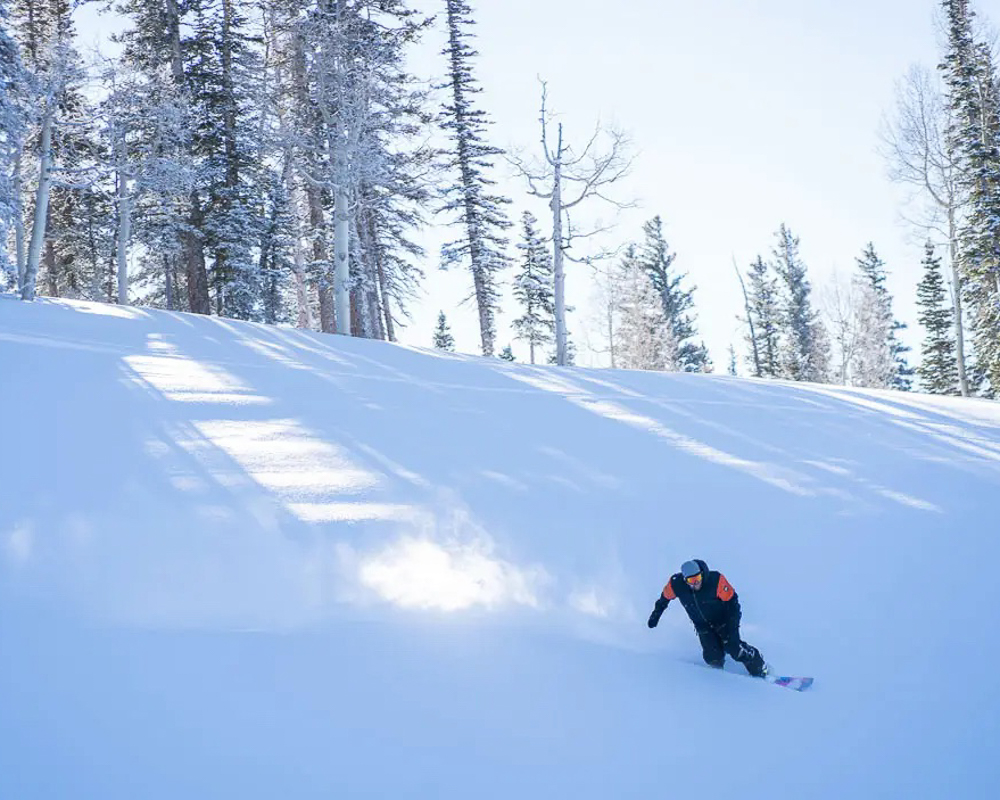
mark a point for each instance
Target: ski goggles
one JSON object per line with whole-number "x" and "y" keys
{"x": 693, "y": 579}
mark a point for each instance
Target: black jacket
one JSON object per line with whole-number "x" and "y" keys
{"x": 715, "y": 606}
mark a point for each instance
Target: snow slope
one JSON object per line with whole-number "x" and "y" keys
{"x": 251, "y": 562}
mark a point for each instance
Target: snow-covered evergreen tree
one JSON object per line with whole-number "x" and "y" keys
{"x": 805, "y": 349}
{"x": 171, "y": 252}
{"x": 13, "y": 81}
{"x": 394, "y": 178}
{"x": 879, "y": 360}
{"x": 569, "y": 359}
{"x": 938, "y": 368}
{"x": 678, "y": 302}
{"x": 390, "y": 253}
{"x": 974, "y": 135}
{"x": 507, "y": 354}
{"x": 354, "y": 115}
{"x": 71, "y": 205}
{"x": 443, "y": 340}
{"x": 168, "y": 202}
{"x": 644, "y": 339}
{"x": 533, "y": 288}
{"x": 222, "y": 71}
{"x": 479, "y": 208}
{"x": 871, "y": 364}
{"x": 764, "y": 308}
{"x": 276, "y": 248}
{"x": 732, "y": 362}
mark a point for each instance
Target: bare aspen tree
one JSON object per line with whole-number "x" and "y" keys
{"x": 566, "y": 179}
{"x": 54, "y": 84}
{"x": 42, "y": 193}
{"x": 840, "y": 305}
{"x": 919, "y": 155}
{"x": 13, "y": 84}
{"x": 117, "y": 123}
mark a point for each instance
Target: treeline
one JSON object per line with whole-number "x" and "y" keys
{"x": 265, "y": 162}
{"x": 274, "y": 162}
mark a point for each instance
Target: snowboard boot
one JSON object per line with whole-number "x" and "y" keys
{"x": 754, "y": 662}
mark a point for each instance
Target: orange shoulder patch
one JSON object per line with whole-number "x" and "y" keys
{"x": 725, "y": 590}
{"x": 668, "y": 592}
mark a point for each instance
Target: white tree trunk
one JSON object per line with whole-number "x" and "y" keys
{"x": 305, "y": 317}
{"x": 41, "y": 205}
{"x": 124, "y": 234}
{"x": 342, "y": 269}
{"x": 611, "y": 334}
{"x": 168, "y": 282}
{"x": 558, "y": 273}
{"x": 19, "y": 254}
{"x": 956, "y": 298}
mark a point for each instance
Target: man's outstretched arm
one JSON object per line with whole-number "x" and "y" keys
{"x": 661, "y": 605}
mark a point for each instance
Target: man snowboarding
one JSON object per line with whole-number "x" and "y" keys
{"x": 714, "y": 608}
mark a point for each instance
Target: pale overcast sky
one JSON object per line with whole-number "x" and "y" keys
{"x": 744, "y": 114}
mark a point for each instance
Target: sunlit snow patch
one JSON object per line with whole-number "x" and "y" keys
{"x": 19, "y": 543}
{"x": 186, "y": 380}
{"x": 419, "y": 573}
{"x": 593, "y": 603}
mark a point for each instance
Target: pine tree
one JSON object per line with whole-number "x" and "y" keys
{"x": 164, "y": 170}
{"x": 533, "y": 289}
{"x": 276, "y": 253}
{"x": 644, "y": 339}
{"x": 657, "y": 260}
{"x": 169, "y": 212}
{"x": 870, "y": 364}
{"x": 443, "y": 340}
{"x": 764, "y": 303}
{"x": 880, "y": 359}
{"x": 480, "y": 210}
{"x": 507, "y": 354}
{"x": 394, "y": 191}
{"x": 732, "y": 362}
{"x": 570, "y": 359}
{"x": 805, "y": 351}
{"x": 938, "y": 369}
{"x": 386, "y": 217}
{"x": 974, "y": 135}
{"x": 221, "y": 79}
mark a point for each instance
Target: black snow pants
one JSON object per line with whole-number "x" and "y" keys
{"x": 717, "y": 643}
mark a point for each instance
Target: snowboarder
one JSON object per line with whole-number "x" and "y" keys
{"x": 714, "y": 608}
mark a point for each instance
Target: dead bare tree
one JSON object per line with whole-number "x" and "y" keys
{"x": 562, "y": 174}
{"x": 753, "y": 333}
{"x": 916, "y": 149}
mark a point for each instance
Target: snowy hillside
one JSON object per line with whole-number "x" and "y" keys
{"x": 239, "y": 561}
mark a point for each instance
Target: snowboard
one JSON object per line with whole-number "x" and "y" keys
{"x": 799, "y": 684}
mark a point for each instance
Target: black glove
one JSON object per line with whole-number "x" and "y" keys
{"x": 658, "y": 609}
